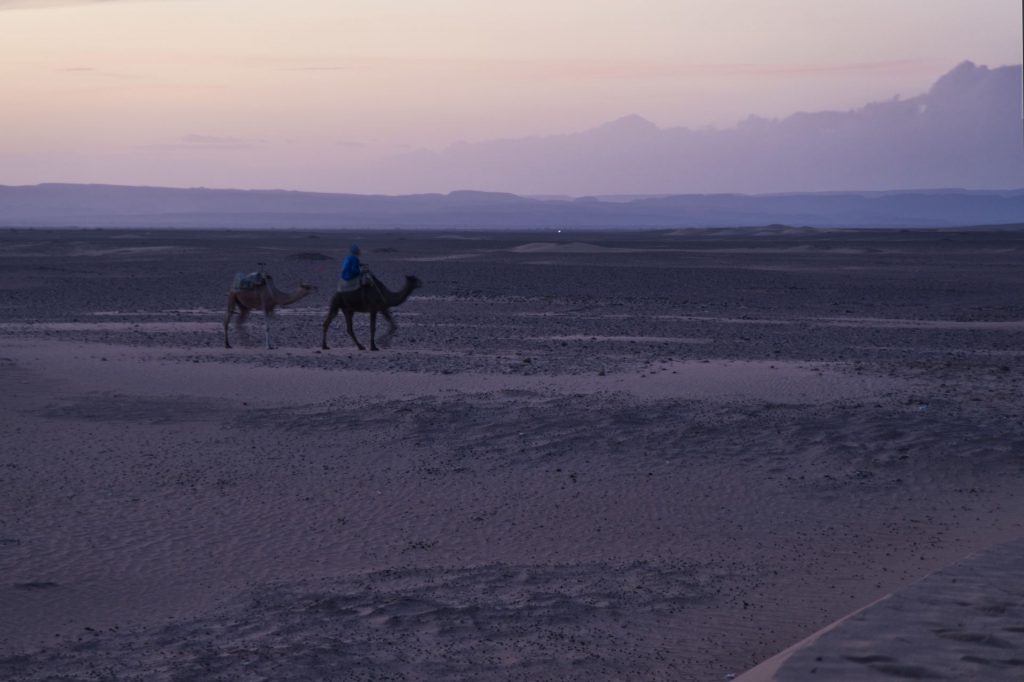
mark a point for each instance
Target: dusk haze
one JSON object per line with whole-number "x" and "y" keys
{"x": 372, "y": 97}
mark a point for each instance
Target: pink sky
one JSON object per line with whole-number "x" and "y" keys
{"x": 275, "y": 94}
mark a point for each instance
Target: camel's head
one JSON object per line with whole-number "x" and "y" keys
{"x": 413, "y": 282}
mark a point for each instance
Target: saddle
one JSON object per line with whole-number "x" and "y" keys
{"x": 248, "y": 281}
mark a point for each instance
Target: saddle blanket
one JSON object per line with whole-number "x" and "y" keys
{"x": 247, "y": 281}
{"x": 354, "y": 284}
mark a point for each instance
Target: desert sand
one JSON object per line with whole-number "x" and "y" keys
{"x": 584, "y": 456}
{"x": 964, "y": 622}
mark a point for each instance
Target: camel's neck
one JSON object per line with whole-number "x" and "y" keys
{"x": 398, "y": 297}
{"x": 288, "y": 297}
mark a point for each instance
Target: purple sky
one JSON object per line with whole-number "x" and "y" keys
{"x": 275, "y": 94}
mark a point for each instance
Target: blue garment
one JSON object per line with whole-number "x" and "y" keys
{"x": 350, "y": 268}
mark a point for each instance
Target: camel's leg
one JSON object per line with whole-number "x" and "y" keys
{"x": 227, "y": 318}
{"x": 331, "y": 314}
{"x": 266, "y": 324}
{"x": 348, "y": 327}
{"x": 373, "y": 330}
{"x": 392, "y": 327}
{"x": 241, "y": 315}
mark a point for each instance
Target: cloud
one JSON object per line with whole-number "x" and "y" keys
{"x": 601, "y": 69}
{"x": 607, "y": 69}
{"x": 50, "y": 4}
{"x": 215, "y": 141}
{"x": 319, "y": 68}
{"x": 204, "y": 143}
{"x": 44, "y": 4}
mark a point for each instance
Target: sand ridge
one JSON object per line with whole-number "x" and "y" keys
{"x": 961, "y": 622}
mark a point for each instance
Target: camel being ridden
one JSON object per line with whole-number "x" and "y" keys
{"x": 373, "y": 298}
{"x": 264, "y": 296}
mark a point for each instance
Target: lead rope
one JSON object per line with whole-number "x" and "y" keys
{"x": 373, "y": 281}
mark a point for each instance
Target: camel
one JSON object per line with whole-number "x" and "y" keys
{"x": 265, "y": 297}
{"x": 372, "y": 298}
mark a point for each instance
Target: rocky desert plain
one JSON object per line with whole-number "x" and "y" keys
{"x": 629, "y": 455}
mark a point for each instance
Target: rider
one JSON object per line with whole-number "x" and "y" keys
{"x": 353, "y": 272}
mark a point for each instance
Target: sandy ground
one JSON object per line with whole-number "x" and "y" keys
{"x": 964, "y": 622}
{"x": 604, "y": 456}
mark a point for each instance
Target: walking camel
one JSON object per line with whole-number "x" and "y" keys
{"x": 372, "y": 298}
{"x": 262, "y": 295}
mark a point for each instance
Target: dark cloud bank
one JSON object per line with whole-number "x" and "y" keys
{"x": 820, "y": 169}
{"x": 964, "y": 132}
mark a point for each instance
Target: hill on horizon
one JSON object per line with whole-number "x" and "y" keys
{"x": 69, "y": 205}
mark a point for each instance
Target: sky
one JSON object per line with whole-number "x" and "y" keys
{"x": 298, "y": 94}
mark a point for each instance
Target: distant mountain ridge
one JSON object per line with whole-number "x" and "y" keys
{"x": 965, "y": 131}
{"x": 69, "y": 205}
